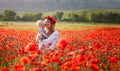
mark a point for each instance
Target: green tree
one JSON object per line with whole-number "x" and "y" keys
{"x": 27, "y": 17}
{"x": 9, "y": 15}
{"x": 1, "y": 17}
{"x": 74, "y": 17}
{"x": 59, "y": 16}
{"x": 96, "y": 17}
{"x": 38, "y": 16}
{"x": 83, "y": 17}
{"x": 18, "y": 18}
{"x": 112, "y": 17}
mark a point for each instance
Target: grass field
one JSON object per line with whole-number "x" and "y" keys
{"x": 59, "y": 25}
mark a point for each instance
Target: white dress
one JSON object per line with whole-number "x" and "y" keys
{"x": 53, "y": 38}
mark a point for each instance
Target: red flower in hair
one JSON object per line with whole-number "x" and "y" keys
{"x": 51, "y": 19}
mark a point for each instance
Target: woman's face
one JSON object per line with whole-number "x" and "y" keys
{"x": 47, "y": 23}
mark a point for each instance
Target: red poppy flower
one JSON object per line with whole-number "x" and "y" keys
{"x": 63, "y": 43}
{"x": 7, "y": 58}
{"x": 35, "y": 69}
{"x": 33, "y": 54}
{"x": 4, "y": 69}
{"x": 76, "y": 68}
{"x": 18, "y": 67}
{"x": 96, "y": 46}
{"x": 30, "y": 47}
{"x": 71, "y": 53}
{"x": 94, "y": 61}
{"x": 94, "y": 67}
{"x": 24, "y": 60}
{"x": 113, "y": 59}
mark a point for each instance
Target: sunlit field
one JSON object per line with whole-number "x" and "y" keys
{"x": 59, "y": 25}
{"x": 80, "y": 47}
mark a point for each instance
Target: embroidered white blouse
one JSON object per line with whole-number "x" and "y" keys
{"x": 53, "y": 38}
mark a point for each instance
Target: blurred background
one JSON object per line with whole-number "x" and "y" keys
{"x": 65, "y": 11}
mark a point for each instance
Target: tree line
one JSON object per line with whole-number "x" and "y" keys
{"x": 85, "y": 16}
{"x": 10, "y": 15}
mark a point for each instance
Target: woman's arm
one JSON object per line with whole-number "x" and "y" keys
{"x": 51, "y": 39}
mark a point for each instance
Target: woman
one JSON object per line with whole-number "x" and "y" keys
{"x": 52, "y": 34}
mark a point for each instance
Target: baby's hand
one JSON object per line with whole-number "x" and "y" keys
{"x": 39, "y": 36}
{"x": 44, "y": 35}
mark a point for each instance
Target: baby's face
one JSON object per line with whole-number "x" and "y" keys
{"x": 41, "y": 24}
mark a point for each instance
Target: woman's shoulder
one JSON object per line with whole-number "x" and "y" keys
{"x": 55, "y": 33}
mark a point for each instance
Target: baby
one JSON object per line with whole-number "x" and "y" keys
{"x": 41, "y": 31}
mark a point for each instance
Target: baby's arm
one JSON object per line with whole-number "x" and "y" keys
{"x": 38, "y": 38}
{"x": 44, "y": 35}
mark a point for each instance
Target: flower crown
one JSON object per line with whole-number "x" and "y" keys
{"x": 51, "y": 19}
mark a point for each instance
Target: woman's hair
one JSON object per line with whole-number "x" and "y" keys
{"x": 51, "y": 19}
{"x": 53, "y": 22}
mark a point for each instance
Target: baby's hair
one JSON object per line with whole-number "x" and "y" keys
{"x": 38, "y": 22}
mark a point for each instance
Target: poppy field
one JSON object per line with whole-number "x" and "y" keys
{"x": 95, "y": 49}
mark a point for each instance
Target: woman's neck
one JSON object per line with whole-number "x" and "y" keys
{"x": 49, "y": 31}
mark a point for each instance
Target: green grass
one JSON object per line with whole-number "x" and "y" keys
{"x": 59, "y": 25}
{"x": 79, "y": 26}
